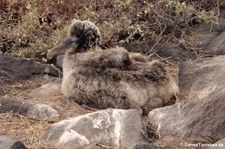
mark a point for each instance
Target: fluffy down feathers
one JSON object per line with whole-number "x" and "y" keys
{"x": 112, "y": 78}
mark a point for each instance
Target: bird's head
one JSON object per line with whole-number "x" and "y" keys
{"x": 82, "y": 36}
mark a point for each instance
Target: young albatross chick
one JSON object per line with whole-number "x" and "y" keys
{"x": 112, "y": 78}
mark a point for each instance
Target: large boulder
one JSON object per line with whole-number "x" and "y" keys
{"x": 194, "y": 121}
{"x": 37, "y": 111}
{"x": 114, "y": 128}
{"x": 201, "y": 118}
{"x": 199, "y": 78}
{"x": 8, "y": 143}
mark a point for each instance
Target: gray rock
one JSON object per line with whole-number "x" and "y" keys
{"x": 167, "y": 50}
{"x": 171, "y": 51}
{"x": 113, "y": 128}
{"x": 217, "y": 45}
{"x": 42, "y": 112}
{"x": 8, "y": 143}
{"x": 211, "y": 38}
{"x": 14, "y": 106}
{"x": 37, "y": 111}
{"x": 147, "y": 146}
{"x": 218, "y": 145}
{"x": 18, "y": 69}
{"x": 191, "y": 121}
{"x": 199, "y": 78}
{"x": 202, "y": 115}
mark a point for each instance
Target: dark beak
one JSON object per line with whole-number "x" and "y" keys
{"x": 59, "y": 49}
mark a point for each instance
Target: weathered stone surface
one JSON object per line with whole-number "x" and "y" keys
{"x": 171, "y": 51}
{"x": 211, "y": 38}
{"x": 38, "y": 111}
{"x": 147, "y": 146}
{"x": 217, "y": 45}
{"x": 218, "y": 145}
{"x": 202, "y": 115}
{"x": 192, "y": 121}
{"x": 42, "y": 111}
{"x": 18, "y": 69}
{"x": 47, "y": 90}
{"x": 113, "y": 128}
{"x": 199, "y": 78}
{"x": 8, "y": 143}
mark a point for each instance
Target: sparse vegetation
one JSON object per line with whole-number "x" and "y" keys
{"x": 30, "y": 28}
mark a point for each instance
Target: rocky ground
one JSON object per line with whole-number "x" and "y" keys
{"x": 33, "y": 111}
{"x": 16, "y": 120}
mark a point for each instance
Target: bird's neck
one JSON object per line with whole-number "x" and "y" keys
{"x": 69, "y": 61}
{"x": 73, "y": 58}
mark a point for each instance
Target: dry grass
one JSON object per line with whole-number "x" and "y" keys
{"x": 30, "y": 27}
{"x": 27, "y": 130}
{"x": 31, "y": 131}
